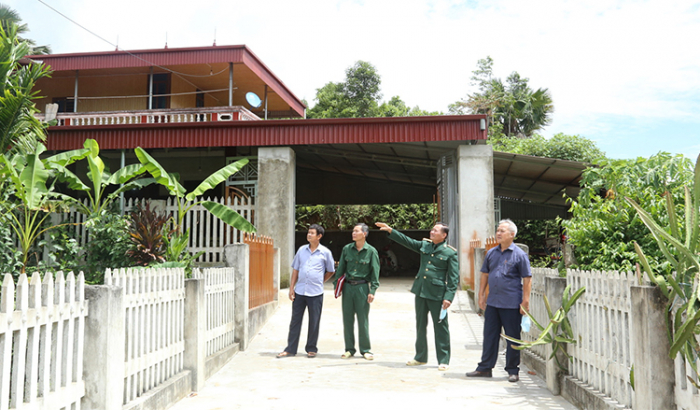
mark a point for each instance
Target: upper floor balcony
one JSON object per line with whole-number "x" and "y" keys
{"x": 162, "y": 86}
{"x": 160, "y": 116}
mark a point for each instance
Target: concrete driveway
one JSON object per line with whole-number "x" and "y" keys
{"x": 255, "y": 379}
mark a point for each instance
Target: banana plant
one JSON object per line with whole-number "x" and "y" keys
{"x": 680, "y": 244}
{"x": 100, "y": 180}
{"x": 557, "y": 332}
{"x": 32, "y": 183}
{"x": 185, "y": 199}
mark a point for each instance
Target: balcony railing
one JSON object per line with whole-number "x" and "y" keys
{"x": 179, "y": 115}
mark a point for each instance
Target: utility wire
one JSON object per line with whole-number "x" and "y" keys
{"x": 125, "y": 51}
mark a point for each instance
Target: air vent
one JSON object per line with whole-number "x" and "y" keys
{"x": 226, "y": 117}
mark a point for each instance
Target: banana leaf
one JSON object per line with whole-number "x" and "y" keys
{"x": 161, "y": 176}
{"x": 216, "y": 178}
{"x": 229, "y": 216}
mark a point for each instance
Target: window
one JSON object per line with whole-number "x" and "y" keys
{"x": 199, "y": 99}
{"x": 161, "y": 86}
{"x": 64, "y": 104}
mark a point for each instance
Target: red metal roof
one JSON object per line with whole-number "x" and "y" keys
{"x": 271, "y": 132}
{"x": 239, "y": 54}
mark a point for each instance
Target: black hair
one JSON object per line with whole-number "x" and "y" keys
{"x": 319, "y": 229}
{"x": 444, "y": 227}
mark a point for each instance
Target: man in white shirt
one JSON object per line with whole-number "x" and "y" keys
{"x": 313, "y": 264}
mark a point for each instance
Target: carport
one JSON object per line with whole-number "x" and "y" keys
{"x": 360, "y": 161}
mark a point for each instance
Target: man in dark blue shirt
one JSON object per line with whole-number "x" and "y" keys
{"x": 506, "y": 269}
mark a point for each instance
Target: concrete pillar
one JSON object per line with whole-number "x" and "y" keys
{"x": 104, "y": 333}
{"x": 476, "y": 218}
{"x": 554, "y": 290}
{"x": 654, "y": 376}
{"x": 237, "y": 256}
{"x": 195, "y": 332}
{"x": 276, "y": 202}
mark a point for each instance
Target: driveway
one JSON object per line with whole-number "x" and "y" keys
{"x": 255, "y": 379}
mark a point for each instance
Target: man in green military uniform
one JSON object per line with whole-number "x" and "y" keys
{"x": 435, "y": 287}
{"x": 359, "y": 262}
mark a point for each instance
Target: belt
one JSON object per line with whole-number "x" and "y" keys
{"x": 355, "y": 282}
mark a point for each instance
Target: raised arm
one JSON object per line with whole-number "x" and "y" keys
{"x": 400, "y": 238}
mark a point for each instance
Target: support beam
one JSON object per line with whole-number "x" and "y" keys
{"x": 230, "y": 84}
{"x": 75, "y": 93}
{"x": 150, "y": 89}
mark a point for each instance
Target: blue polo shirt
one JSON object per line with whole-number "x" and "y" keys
{"x": 312, "y": 268}
{"x": 506, "y": 270}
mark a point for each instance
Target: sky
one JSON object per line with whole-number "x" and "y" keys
{"x": 625, "y": 74}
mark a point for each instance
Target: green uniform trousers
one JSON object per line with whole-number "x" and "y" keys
{"x": 441, "y": 329}
{"x": 355, "y": 303}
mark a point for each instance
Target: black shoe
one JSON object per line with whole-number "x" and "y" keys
{"x": 513, "y": 378}
{"x": 477, "y": 373}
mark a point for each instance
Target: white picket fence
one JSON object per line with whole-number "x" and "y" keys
{"x": 219, "y": 294}
{"x": 155, "y": 303}
{"x": 538, "y": 309}
{"x": 600, "y": 319}
{"x": 41, "y": 341}
{"x": 207, "y": 233}
{"x": 686, "y": 394}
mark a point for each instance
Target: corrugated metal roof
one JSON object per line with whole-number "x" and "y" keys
{"x": 271, "y": 132}
{"x": 536, "y": 179}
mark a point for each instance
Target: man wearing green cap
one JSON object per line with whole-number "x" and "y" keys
{"x": 359, "y": 262}
{"x": 435, "y": 287}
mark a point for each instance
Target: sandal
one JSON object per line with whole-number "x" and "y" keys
{"x": 346, "y": 355}
{"x": 311, "y": 355}
{"x": 443, "y": 367}
{"x": 368, "y": 356}
{"x": 284, "y": 354}
{"x": 414, "y": 363}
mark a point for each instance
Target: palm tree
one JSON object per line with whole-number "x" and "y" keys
{"x": 9, "y": 17}
{"x": 535, "y": 112}
{"x": 520, "y": 110}
{"x": 19, "y": 129}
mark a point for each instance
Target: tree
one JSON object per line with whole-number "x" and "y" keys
{"x": 362, "y": 88}
{"x": 359, "y": 96}
{"x": 19, "y": 129}
{"x": 604, "y": 226}
{"x": 678, "y": 238}
{"x": 9, "y": 18}
{"x": 519, "y": 109}
{"x": 560, "y": 146}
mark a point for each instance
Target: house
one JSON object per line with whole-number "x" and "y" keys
{"x": 196, "y": 109}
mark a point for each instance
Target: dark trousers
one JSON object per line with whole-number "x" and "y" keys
{"x": 441, "y": 329}
{"x": 300, "y": 304}
{"x": 494, "y": 320}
